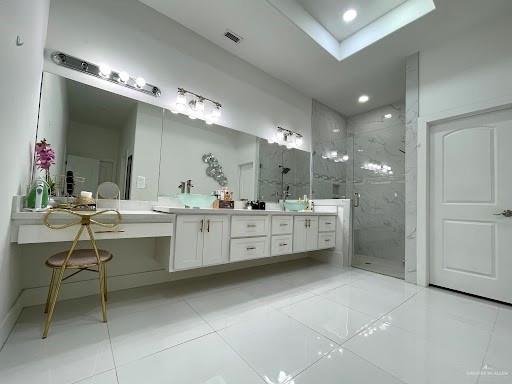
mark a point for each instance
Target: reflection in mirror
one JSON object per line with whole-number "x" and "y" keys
{"x": 283, "y": 172}
{"x": 185, "y": 142}
{"x": 94, "y": 135}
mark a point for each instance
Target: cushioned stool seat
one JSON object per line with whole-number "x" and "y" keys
{"x": 79, "y": 258}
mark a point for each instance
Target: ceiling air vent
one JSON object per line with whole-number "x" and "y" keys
{"x": 233, "y": 37}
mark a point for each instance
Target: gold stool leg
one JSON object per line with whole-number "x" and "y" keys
{"x": 53, "y": 301}
{"x": 58, "y": 283}
{"x": 101, "y": 267}
{"x": 105, "y": 278}
{"x": 50, "y": 291}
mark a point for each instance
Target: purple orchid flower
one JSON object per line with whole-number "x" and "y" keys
{"x": 45, "y": 155}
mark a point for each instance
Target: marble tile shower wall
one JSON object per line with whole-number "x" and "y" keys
{"x": 379, "y": 221}
{"x": 269, "y": 180}
{"x": 329, "y": 179}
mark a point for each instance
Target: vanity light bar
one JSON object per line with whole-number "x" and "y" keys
{"x": 195, "y": 107}
{"x": 104, "y": 72}
{"x": 287, "y": 137}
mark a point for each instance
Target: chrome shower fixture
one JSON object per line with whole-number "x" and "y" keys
{"x": 103, "y": 71}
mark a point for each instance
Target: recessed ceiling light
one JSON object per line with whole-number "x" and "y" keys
{"x": 349, "y": 15}
{"x": 336, "y": 130}
{"x": 363, "y": 98}
{"x": 388, "y": 116}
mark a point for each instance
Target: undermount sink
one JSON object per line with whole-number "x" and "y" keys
{"x": 196, "y": 200}
{"x": 295, "y": 205}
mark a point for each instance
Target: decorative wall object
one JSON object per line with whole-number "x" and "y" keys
{"x": 214, "y": 169}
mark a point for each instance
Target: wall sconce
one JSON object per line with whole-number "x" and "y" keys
{"x": 104, "y": 72}
{"x": 288, "y": 138}
{"x": 196, "y": 106}
{"x": 333, "y": 155}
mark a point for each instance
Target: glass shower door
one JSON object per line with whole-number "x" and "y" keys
{"x": 377, "y": 177}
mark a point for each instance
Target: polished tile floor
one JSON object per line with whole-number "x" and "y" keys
{"x": 299, "y": 322}
{"x": 389, "y": 267}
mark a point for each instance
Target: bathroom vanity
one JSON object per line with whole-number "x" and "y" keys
{"x": 206, "y": 237}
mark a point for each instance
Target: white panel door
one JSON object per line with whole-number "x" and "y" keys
{"x": 470, "y": 184}
{"x": 216, "y": 240}
{"x": 188, "y": 252}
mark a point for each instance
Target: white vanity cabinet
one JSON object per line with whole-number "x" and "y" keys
{"x": 305, "y": 233}
{"x": 327, "y": 234}
{"x": 201, "y": 240}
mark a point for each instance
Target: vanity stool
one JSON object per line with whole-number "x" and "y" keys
{"x": 91, "y": 259}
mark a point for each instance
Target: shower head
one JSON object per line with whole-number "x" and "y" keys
{"x": 284, "y": 170}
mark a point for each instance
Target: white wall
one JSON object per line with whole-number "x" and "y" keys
{"x": 20, "y": 76}
{"x": 468, "y": 69}
{"x": 93, "y": 141}
{"x": 146, "y": 152}
{"x": 126, "y": 147}
{"x": 185, "y": 141}
{"x": 54, "y": 119}
{"x": 133, "y": 37}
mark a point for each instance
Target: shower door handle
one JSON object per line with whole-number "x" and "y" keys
{"x": 356, "y": 199}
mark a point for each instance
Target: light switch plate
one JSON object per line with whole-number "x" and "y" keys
{"x": 141, "y": 182}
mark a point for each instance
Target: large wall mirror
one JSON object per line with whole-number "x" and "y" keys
{"x": 100, "y": 136}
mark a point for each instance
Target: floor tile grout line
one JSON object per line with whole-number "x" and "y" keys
{"x": 112, "y": 352}
{"x": 227, "y": 344}
{"x": 491, "y": 334}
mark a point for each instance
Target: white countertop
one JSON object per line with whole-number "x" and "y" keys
{"x": 220, "y": 211}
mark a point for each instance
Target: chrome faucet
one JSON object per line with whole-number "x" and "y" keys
{"x": 182, "y": 187}
{"x": 189, "y": 185}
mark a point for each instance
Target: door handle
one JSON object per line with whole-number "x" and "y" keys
{"x": 208, "y": 225}
{"x": 506, "y": 213}
{"x": 201, "y": 226}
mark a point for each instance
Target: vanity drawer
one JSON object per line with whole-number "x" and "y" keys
{"x": 246, "y": 249}
{"x": 249, "y": 226}
{"x": 326, "y": 240}
{"x": 282, "y": 225}
{"x": 327, "y": 223}
{"x": 281, "y": 245}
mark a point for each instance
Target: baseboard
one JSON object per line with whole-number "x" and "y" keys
{"x": 9, "y": 320}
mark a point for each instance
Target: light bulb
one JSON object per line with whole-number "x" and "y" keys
{"x": 299, "y": 140}
{"x": 324, "y": 157}
{"x": 363, "y": 99}
{"x": 105, "y": 70}
{"x": 140, "y": 82}
{"x": 279, "y": 135}
{"x": 209, "y": 122}
{"x": 174, "y": 110}
{"x": 334, "y": 154}
{"x": 270, "y": 140}
{"x": 124, "y": 76}
{"x": 216, "y": 112}
{"x": 344, "y": 157}
{"x": 349, "y": 15}
{"x": 388, "y": 116}
{"x": 199, "y": 108}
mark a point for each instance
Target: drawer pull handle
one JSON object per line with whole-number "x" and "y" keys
{"x": 328, "y": 223}
{"x": 283, "y": 244}
{"x": 283, "y": 224}
{"x": 327, "y": 240}
{"x": 250, "y": 248}
{"x": 251, "y": 225}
